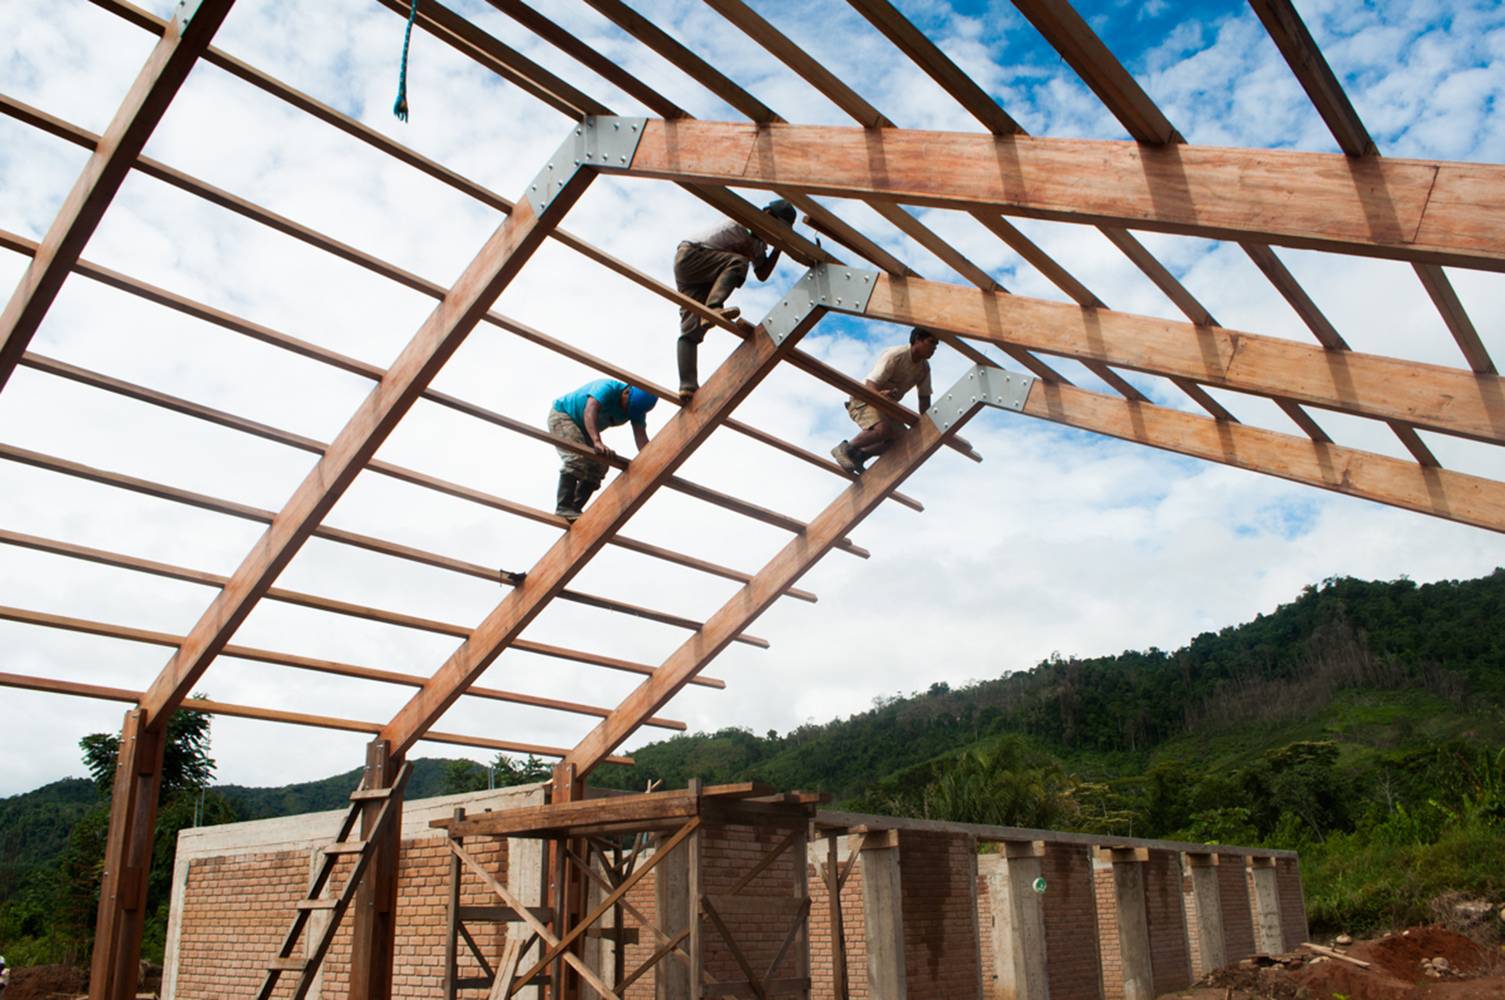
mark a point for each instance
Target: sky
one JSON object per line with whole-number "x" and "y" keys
{"x": 1058, "y": 542}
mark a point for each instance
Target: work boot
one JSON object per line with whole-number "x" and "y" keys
{"x": 565, "y": 498}
{"x": 846, "y": 457}
{"x": 689, "y": 380}
{"x": 730, "y": 313}
{"x": 583, "y": 491}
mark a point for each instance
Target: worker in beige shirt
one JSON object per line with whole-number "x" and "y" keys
{"x": 898, "y": 370}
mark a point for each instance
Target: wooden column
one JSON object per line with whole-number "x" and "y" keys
{"x": 128, "y": 854}
{"x": 1268, "y": 937}
{"x": 373, "y": 927}
{"x": 567, "y": 886}
{"x": 1204, "y": 889}
{"x": 671, "y": 879}
{"x": 883, "y": 915}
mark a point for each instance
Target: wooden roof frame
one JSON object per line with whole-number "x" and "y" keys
{"x": 1430, "y": 214}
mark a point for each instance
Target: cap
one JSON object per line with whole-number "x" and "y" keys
{"x": 639, "y": 403}
{"x": 781, "y": 209}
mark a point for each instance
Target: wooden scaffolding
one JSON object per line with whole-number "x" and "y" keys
{"x": 1432, "y": 215}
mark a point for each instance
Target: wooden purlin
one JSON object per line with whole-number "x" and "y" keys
{"x": 665, "y": 452}
{"x": 158, "y": 82}
{"x": 394, "y": 550}
{"x": 907, "y": 452}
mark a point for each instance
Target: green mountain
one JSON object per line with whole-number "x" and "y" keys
{"x": 34, "y": 827}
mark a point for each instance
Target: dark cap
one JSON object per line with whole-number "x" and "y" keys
{"x": 781, "y": 209}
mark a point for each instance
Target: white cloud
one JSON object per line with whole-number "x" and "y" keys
{"x": 1057, "y": 542}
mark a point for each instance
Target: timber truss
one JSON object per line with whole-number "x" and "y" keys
{"x": 1431, "y": 215}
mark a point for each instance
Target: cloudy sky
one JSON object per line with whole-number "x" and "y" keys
{"x": 1058, "y": 542}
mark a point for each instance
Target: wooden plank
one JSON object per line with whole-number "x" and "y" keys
{"x": 908, "y": 451}
{"x": 158, "y": 82}
{"x": 1285, "y": 282}
{"x": 1099, "y": 69}
{"x": 797, "y": 59}
{"x": 916, "y": 230}
{"x": 752, "y": 361}
{"x": 1301, "y": 53}
{"x": 937, "y": 65}
{"x": 678, "y": 803}
{"x": 1417, "y": 210}
{"x": 1427, "y": 396}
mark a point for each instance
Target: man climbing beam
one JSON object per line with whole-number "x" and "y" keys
{"x": 897, "y": 370}
{"x": 708, "y": 267}
{"x": 580, "y": 417}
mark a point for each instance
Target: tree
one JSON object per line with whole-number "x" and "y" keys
{"x": 1005, "y": 784}
{"x": 503, "y": 772}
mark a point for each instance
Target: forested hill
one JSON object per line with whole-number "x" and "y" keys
{"x": 1438, "y": 648}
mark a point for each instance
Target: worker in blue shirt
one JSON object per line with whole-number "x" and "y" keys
{"x": 581, "y": 416}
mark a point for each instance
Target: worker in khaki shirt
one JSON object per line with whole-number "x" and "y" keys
{"x": 898, "y": 370}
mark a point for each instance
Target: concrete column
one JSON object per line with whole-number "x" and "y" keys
{"x": 883, "y": 913}
{"x": 1133, "y": 927}
{"x": 671, "y": 904}
{"x": 1204, "y": 889}
{"x": 526, "y": 858}
{"x": 1018, "y": 914}
{"x": 1267, "y": 933}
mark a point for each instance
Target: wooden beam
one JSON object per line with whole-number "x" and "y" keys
{"x": 665, "y": 453}
{"x": 1435, "y": 281}
{"x": 1417, "y": 210}
{"x": 156, "y": 85}
{"x": 1285, "y": 282}
{"x": 937, "y": 65}
{"x": 907, "y": 452}
{"x": 1428, "y": 396}
{"x": 1289, "y": 34}
{"x": 1395, "y": 482}
{"x": 1099, "y": 69}
{"x": 492, "y": 270}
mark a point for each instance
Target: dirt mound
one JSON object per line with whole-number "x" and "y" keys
{"x": 48, "y": 982}
{"x": 1402, "y": 954}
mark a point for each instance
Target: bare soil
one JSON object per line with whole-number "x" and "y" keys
{"x": 1396, "y": 972}
{"x": 70, "y": 982}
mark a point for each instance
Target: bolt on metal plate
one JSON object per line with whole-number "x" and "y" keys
{"x": 981, "y": 384}
{"x": 184, "y": 14}
{"x": 604, "y": 141}
{"x": 830, "y": 286}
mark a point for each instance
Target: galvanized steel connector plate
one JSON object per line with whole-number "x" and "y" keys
{"x": 185, "y": 11}
{"x": 844, "y": 289}
{"x": 597, "y": 140}
{"x": 981, "y": 384}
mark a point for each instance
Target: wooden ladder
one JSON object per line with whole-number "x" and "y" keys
{"x": 336, "y": 906}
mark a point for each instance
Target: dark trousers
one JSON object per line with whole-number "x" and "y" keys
{"x": 708, "y": 276}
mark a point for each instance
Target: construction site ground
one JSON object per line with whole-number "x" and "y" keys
{"x": 1400, "y": 967}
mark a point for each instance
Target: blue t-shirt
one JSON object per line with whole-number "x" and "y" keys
{"x": 607, "y": 392}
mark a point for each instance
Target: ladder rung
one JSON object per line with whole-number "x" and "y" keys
{"x": 318, "y": 904}
{"x": 348, "y": 847}
{"x": 362, "y": 794}
{"x": 287, "y": 965}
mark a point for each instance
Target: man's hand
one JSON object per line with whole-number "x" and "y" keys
{"x": 602, "y": 450}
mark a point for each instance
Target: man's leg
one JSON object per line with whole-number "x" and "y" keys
{"x": 871, "y": 441}
{"x": 707, "y": 276}
{"x": 574, "y": 469}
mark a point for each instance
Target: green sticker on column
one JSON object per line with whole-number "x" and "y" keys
{"x": 1039, "y": 885}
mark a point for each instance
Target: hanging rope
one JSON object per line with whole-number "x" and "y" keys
{"x": 400, "y": 109}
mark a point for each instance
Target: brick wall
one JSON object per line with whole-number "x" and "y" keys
{"x": 1193, "y": 930}
{"x": 1071, "y": 954}
{"x": 823, "y": 983}
{"x": 1165, "y": 914}
{"x": 240, "y": 912}
{"x": 1238, "y": 919}
{"x": 1107, "y": 927}
{"x": 936, "y": 875}
{"x": 729, "y": 852}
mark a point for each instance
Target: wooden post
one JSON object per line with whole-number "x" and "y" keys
{"x": 372, "y": 931}
{"x": 838, "y": 928}
{"x": 128, "y": 855}
{"x": 567, "y": 886}
{"x": 693, "y": 889}
{"x": 671, "y": 881}
{"x": 452, "y": 922}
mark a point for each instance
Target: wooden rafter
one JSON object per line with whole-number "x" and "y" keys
{"x": 158, "y": 83}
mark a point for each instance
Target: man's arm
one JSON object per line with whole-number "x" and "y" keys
{"x": 763, "y": 266}
{"x": 593, "y": 427}
{"x": 640, "y": 435}
{"x": 924, "y": 402}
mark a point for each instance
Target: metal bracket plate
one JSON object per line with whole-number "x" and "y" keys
{"x": 597, "y": 140}
{"x": 981, "y": 384}
{"x": 184, "y": 14}
{"x": 844, "y": 289}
